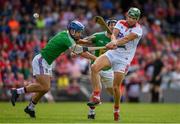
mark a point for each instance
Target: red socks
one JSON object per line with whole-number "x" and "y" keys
{"x": 96, "y": 95}
{"x": 116, "y": 108}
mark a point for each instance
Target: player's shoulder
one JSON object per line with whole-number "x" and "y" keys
{"x": 137, "y": 29}
{"x": 64, "y": 36}
{"x": 61, "y": 33}
{"x": 65, "y": 32}
{"x": 123, "y": 23}
{"x": 138, "y": 26}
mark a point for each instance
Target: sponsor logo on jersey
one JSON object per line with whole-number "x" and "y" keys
{"x": 100, "y": 41}
{"x": 120, "y": 35}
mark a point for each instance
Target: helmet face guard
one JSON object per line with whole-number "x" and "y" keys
{"x": 134, "y": 13}
{"x": 111, "y": 21}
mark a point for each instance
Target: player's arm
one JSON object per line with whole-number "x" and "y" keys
{"x": 88, "y": 55}
{"x": 119, "y": 42}
{"x": 125, "y": 39}
{"x": 87, "y": 40}
{"x": 114, "y": 34}
{"x": 116, "y": 30}
{"x": 83, "y": 42}
{"x": 77, "y": 49}
{"x": 82, "y": 51}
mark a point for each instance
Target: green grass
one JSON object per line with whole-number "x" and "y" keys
{"x": 73, "y": 112}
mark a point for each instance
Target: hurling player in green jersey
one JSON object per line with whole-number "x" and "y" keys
{"x": 106, "y": 75}
{"x": 42, "y": 64}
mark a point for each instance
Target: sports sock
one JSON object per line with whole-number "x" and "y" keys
{"x": 91, "y": 110}
{"x": 116, "y": 109}
{"x": 21, "y": 90}
{"x": 31, "y": 105}
{"x": 96, "y": 95}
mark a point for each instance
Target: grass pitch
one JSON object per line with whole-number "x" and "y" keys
{"x": 74, "y": 112}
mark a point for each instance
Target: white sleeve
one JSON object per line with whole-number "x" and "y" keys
{"x": 118, "y": 25}
{"x": 137, "y": 30}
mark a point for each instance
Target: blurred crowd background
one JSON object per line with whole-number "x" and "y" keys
{"x": 155, "y": 68}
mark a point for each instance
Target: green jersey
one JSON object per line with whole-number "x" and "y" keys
{"x": 57, "y": 45}
{"x": 100, "y": 39}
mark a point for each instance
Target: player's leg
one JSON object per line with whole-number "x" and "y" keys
{"x": 118, "y": 78}
{"x": 109, "y": 90}
{"x": 44, "y": 81}
{"x": 16, "y": 92}
{"x": 95, "y": 84}
{"x": 107, "y": 77}
{"x": 107, "y": 80}
{"x": 92, "y": 113}
{"x": 120, "y": 69}
{"x": 98, "y": 65}
{"x": 37, "y": 86}
{"x": 30, "y": 108}
{"x": 42, "y": 72}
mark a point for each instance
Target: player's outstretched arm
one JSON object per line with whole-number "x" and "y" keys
{"x": 83, "y": 42}
{"x": 88, "y": 55}
{"x": 121, "y": 41}
{"x": 126, "y": 39}
{"x": 86, "y": 41}
{"x": 77, "y": 49}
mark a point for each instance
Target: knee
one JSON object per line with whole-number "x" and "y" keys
{"x": 94, "y": 68}
{"x": 45, "y": 88}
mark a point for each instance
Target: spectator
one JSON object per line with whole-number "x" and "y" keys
{"x": 156, "y": 78}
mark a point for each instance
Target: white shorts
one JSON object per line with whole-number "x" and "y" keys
{"x": 40, "y": 66}
{"x": 107, "y": 78}
{"x": 116, "y": 64}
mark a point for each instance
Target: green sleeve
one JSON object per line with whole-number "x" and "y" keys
{"x": 94, "y": 40}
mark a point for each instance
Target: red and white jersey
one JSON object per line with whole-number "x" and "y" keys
{"x": 126, "y": 54}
